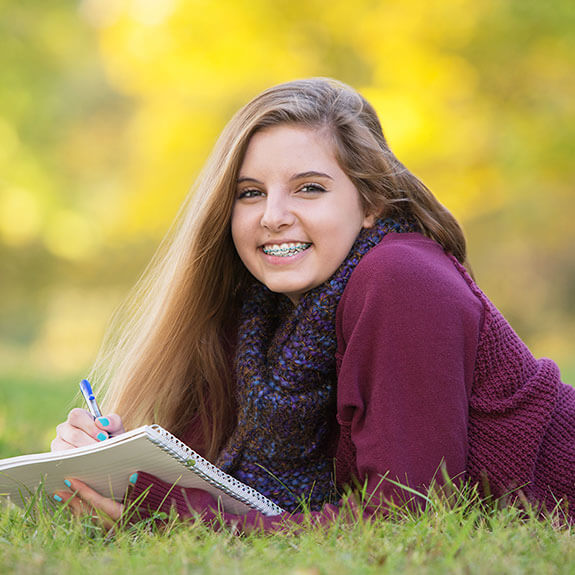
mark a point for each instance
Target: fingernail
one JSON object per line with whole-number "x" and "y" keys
{"x": 101, "y": 436}
{"x": 104, "y": 421}
{"x": 58, "y": 498}
{"x": 67, "y": 483}
{"x": 133, "y": 478}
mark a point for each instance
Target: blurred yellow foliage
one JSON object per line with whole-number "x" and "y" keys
{"x": 22, "y": 229}
{"x": 110, "y": 107}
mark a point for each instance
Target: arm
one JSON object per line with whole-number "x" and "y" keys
{"x": 409, "y": 327}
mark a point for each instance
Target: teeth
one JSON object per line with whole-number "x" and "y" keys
{"x": 285, "y": 250}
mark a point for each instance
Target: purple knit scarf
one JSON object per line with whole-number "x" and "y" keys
{"x": 285, "y": 371}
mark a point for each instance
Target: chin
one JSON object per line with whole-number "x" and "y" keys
{"x": 288, "y": 291}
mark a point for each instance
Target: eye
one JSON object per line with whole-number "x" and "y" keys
{"x": 311, "y": 189}
{"x": 249, "y": 193}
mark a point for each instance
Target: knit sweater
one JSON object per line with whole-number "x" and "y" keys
{"x": 429, "y": 373}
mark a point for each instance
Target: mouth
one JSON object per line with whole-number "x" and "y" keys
{"x": 285, "y": 250}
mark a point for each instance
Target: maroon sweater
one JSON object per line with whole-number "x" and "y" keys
{"x": 429, "y": 372}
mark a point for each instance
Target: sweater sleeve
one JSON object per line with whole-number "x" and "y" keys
{"x": 152, "y": 498}
{"x": 408, "y": 327}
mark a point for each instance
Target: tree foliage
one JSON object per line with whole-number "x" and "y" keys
{"x": 108, "y": 109}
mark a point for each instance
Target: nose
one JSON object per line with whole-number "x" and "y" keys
{"x": 277, "y": 213}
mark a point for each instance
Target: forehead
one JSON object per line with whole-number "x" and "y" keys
{"x": 289, "y": 144}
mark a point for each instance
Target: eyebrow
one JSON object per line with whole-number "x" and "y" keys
{"x": 300, "y": 176}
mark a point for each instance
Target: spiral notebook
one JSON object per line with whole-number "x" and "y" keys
{"x": 107, "y": 466}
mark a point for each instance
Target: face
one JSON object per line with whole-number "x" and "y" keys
{"x": 296, "y": 213}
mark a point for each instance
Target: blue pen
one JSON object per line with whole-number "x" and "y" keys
{"x": 88, "y": 394}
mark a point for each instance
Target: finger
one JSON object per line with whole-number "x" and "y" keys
{"x": 83, "y": 420}
{"x": 59, "y": 444}
{"x": 78, "y": 437}
{"x": 76, "y": 505}
{"x": 113, "y": 509}
{"x": 79, "y": 508}
{"x": 106, "y": 511}
{"x": 70, "y": 435}
{"x": 110, "y": 423}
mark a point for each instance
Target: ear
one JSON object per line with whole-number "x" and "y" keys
{"x": 369, "y": 220}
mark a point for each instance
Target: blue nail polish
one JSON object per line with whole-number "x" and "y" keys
{"x": 58, "y": 498}
{"x": 101, "y": 436}
{"x": 67, "y": 483}
{"x": 133, "y": 478}
{"x": 104, "y": 421}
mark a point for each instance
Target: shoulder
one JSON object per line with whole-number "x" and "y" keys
{"x": 402, "y": 258}
{"x": 407, "y": 275}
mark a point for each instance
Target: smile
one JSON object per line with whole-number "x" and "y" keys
{"x": 285, "y": 250}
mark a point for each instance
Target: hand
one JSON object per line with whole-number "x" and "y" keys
{"x": 84, "y": 501}
{"x": 82, "y": 429}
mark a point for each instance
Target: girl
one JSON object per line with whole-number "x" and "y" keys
{"x": 310, "y": 324}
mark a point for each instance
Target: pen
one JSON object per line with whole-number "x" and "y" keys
{"x": 88, "y": 394}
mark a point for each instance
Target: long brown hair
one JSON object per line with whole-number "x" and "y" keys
{"x": 167, "y": 356}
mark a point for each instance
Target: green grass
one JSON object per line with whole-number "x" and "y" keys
{"x": 462, "y": 536}
{"x": 30, "y": 409}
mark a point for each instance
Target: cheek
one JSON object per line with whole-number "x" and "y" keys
{"x": 237, "y": 229}
{"x": 242, "y": 237}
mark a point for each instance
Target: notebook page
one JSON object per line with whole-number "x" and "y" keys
{"x": 106, "y": 467}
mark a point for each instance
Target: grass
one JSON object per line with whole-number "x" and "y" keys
{"x": 30, "y": 409}
{"x": 463, "y": 535}
{"x": 460, "y": 538}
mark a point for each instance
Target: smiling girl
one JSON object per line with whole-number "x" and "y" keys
{"x": 310, "y": 325}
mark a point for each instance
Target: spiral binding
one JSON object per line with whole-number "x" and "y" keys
{"x": 210, "y": 473}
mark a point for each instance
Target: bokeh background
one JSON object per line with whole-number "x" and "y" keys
{"x": 108, "y": 108}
